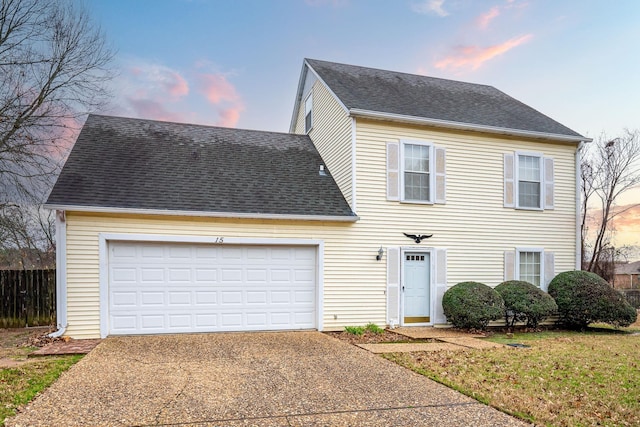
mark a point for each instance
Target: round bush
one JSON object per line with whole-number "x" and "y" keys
{"x": 472, "y": 305}
{"x": 525, "y": 302}
{"x": 585, "y": 297}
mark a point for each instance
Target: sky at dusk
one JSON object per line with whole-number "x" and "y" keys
{"x": 236, "y": 63}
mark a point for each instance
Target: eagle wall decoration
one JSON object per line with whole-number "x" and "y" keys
{"x": 418, "y": 237}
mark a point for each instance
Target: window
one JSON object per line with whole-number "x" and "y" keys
{"x": 416, "y": 173}
{"x": 530, "y": 266}
{"x": 308, "y": 118}
{"x": 529, "y": 181}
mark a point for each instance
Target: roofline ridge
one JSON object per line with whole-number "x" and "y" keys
{"x": 404, "y": 73}
{"x": 197, "y": 124}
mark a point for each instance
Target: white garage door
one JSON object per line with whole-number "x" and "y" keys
{"x": 171, "y": 287}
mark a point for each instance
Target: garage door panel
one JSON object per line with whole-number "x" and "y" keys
{"x": 206, "y": 298}
{"x": 171, "y": 287}
{"x": 152, "y": 298}
{"x": 124, "y": 274}
{"x": 124, "y": 299}
{"x": 151, "y": 274}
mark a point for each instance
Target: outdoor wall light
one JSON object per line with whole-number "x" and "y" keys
{"x": 380, "y": 253}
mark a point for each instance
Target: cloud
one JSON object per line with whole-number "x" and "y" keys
{"x": 230, "y": 116}
{"x": 628, "y": 219}
{"x": 155, "y": 79}
{"x": 217, "y": 88}
{"x": 223, "y": 96}
{"x": 474, "y": 56}
{"x": 484, "y": 19}
{"x": 153, "y": 109}
{"x": 176, "y": 85}
{"x": 200, "y": 94}
{"x": 430, "y": 7}
{"x": 151, "y": 91}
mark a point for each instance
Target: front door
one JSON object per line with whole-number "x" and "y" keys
{"x": 416, "y": 288}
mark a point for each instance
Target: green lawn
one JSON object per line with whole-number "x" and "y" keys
{"x": 19, "y": 384}
{"x": 562, "y": 379}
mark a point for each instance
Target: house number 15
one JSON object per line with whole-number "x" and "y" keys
{"x": 219, "y": 240}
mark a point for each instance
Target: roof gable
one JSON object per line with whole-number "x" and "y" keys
{"x": 125, "y": 163}
{"x": 362, "y": 89}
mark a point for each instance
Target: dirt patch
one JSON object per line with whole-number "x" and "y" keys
{"x": 18, "y": 343}
{"x": 373, "y": 338}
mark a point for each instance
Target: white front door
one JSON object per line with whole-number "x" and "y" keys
{"x": 416, "y": 286}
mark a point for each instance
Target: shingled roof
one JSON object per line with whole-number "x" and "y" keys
{"x": 446, "y": 102}
{"x": 133, "y": 164}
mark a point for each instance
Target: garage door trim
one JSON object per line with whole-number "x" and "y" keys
{"x": 105, "y": 238}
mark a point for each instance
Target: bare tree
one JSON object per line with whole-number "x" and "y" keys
{"x": 611, "y": 169}
{"x": 53, "y": 71}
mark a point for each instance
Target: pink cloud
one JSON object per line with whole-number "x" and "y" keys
{"x": 230, "y": 116}
{"x": 217, "y": 88}
{"x": 474, "y": 56}
{"x": 175, "y": 84}
{"x": 485, "y": 19}
{"x": 223, "y": 95}
{"x": 151, "y": 109}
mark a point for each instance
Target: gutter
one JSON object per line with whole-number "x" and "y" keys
{"x": 236, "y": 215}
{"x": 578, "y": 167}
{"x": 61, "y": 274}
{"x": 465, "y": 126}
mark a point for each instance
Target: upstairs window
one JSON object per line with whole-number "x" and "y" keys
{"x": 308, "y": 117}
{"x": 529, "y": 181}
{"x": 416, "y": 173}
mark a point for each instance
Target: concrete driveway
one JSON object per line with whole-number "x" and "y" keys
{"x": 252, "y": 379}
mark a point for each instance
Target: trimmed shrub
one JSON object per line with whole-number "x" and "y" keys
{"x": 585, "y": 297}
{"x": 472, "y": 305}
{"x": 525, "y": 302}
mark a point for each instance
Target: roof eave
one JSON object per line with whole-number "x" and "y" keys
{"x": 466, "y": 126}
{"x": 296, "y": 104}
{"x": 169, "y": 212}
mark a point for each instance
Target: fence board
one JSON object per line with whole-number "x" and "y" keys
{"x": 27, "y": 298}
{"x": 633, "y": 296}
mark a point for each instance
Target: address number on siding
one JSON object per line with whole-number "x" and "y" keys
{"x": 219, "y": 240}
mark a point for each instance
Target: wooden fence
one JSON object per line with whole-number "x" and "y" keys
{"x": 27, "y": 298}
{"x": 633, "y": 296}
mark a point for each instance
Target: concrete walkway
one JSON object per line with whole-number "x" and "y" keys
{"x": 443, "y": 339}
{"x": 261, "y": 379}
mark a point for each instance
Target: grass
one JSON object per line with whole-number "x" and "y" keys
{"x": 563, "y": 379}
{"x": 19, "y": 385}
{"x": 360, "y": 330}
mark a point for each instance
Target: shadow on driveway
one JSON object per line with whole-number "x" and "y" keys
{"x": 247, "y": 379}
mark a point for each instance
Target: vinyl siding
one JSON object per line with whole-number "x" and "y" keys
{"x": 473, "y": 225}
{"x": 354, "y": 282}
{"x": 331, "y": 134}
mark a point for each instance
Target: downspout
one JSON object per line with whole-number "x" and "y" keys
{"x": 579, "y": 206}
{"x": 61, "y": 274}
{"x": 353, "y": 166}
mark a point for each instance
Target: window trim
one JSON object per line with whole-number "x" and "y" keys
{"x": 309, "y": 112}
{"x": 516, "y": 266}
{"x": 516, "y": 177}
{"x": 432, "y": 171}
